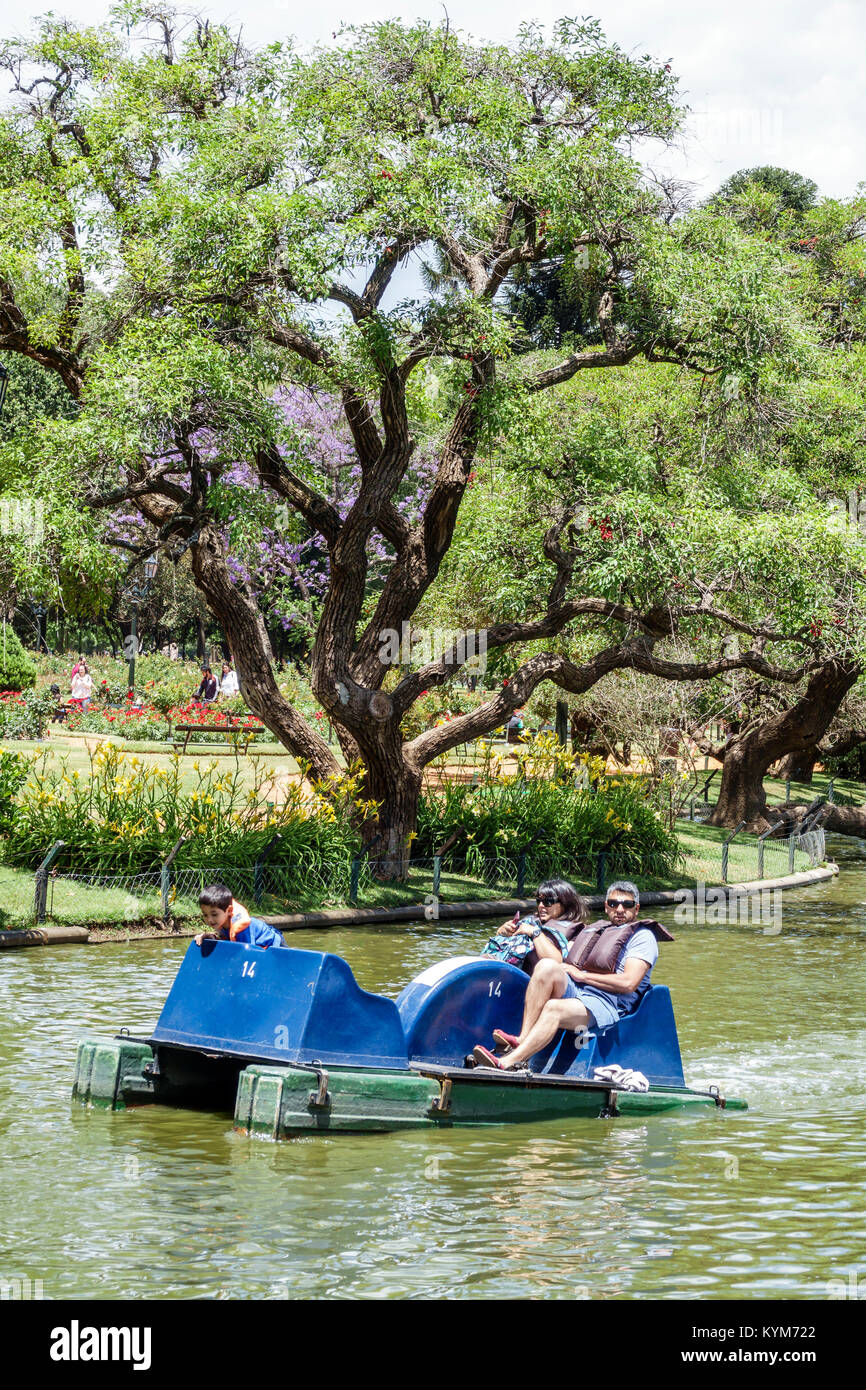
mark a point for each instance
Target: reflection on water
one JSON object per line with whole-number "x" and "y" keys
{"x": 164, "y": 1203}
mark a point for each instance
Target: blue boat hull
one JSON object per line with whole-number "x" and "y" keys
{"x": 289, "y": 1041}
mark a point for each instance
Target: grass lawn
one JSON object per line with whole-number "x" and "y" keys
{"x": 134, "y": 900}
{"x": 252, "y": 769}
{"x": 846, "y": 792}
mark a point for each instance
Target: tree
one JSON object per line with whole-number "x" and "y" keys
{"x": 247, "y": 215}
{"x": 793, "y": 192}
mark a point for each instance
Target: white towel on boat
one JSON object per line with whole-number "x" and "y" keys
{"x": 624, "y": 1078}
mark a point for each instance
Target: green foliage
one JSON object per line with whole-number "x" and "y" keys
{"x": 33, "y": 394}
{"x": 667, "y": 491}
{"x": 17, "y": 671}
{"x": 26, "y": 716}
{"x": 793, "y": 192}
{"x": 13, "y": 773}
{"x": 562, "y": 824}
{"x": 125, "y": 816}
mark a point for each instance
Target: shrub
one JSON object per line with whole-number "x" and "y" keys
{"x": 17, "y": 669}
{"x": 124, "y": 816}
{"x": 561, "y": 824}
{"x": 24, "y": 716}
{"x": 13, "y": 774}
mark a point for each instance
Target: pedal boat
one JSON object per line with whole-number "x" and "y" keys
{"x": 289, "y": 1042}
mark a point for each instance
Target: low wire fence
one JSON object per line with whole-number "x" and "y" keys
{"x": 167, "y": 894}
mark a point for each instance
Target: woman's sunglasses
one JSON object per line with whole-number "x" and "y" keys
{"x": 548, "y": 899}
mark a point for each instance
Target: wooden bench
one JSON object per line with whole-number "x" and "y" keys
{"x": 231, "y": 731}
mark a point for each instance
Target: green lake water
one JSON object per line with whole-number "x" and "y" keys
{"x": 170, "y": 1204}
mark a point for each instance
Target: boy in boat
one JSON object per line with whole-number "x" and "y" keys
{"x": 620, "y": 954}
{"x": 230, "y": 921}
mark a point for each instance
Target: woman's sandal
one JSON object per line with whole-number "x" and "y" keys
{"x": 485, "y": 1058}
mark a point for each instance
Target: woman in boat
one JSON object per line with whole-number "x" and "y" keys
{"x": 546, "y": 933}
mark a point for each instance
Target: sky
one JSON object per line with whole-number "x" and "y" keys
{"x": 768, "y": 81}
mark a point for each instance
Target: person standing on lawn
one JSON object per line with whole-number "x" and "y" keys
{"x": 82, "y": 685}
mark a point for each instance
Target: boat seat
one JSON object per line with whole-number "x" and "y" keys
{"x": 457, "y": 1003}
{"x": 645, "y": 1040}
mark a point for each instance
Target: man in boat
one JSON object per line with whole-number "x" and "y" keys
{"x": 228, "y": 920}
{"x": 604, "y": 976}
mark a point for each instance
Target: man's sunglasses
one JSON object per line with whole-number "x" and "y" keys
{"x": 548, "y": 899}
{"x": 620, "y": 902}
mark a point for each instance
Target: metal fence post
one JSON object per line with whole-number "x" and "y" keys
{"x": 437, "y": 873}
{"x": 787, "y": 790}
{"x": 354, "y": 881}
{"x": 830, "y": 790}
{"x": 521, "y": 874}
{"x": 259, "y": 869}
{"x": 601, "y": 871}
{"x": 41, "y": 896}
{"x": 562, "y": 722}
{"x": 726, "y": 844}
{"x": 165, "y": 878}
{"x": 791, "y": 839}
{"x": 761, "y": 839}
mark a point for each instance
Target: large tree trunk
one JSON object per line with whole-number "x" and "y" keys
{"x": 748, "y": 755}
{"x": 798, "y": 767}
{"x": 250, "y": 646}
{"x": 397, "y": 789}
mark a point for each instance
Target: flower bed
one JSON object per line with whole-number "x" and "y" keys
{"x": 149, "y": 722}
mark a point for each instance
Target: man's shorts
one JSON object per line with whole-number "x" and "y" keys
{"x": 601, "y": 1009}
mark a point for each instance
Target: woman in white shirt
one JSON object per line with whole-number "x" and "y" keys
{"x": 82, "y": 685}
{"x": 228, "y": 682}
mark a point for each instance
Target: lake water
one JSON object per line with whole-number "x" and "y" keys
{"x": 170, "y": 1204}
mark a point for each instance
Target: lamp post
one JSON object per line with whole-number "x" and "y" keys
{"x": 138, "y": 593}
{"x": 39, "y": 612}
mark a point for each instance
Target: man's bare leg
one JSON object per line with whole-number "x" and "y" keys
{"x": 556, "y": 1014}
{"x": 548, "y": 981}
